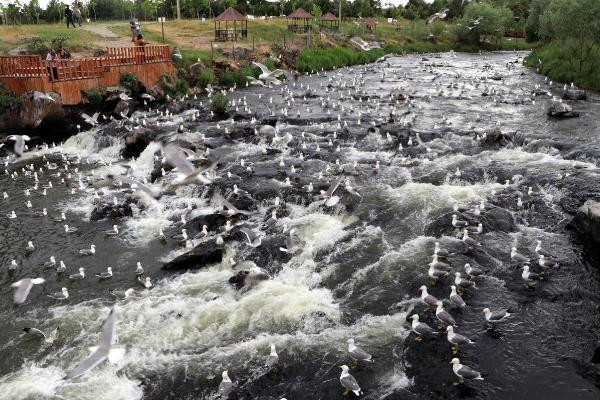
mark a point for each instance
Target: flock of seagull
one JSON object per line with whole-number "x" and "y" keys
{"x": 337, "y": 179}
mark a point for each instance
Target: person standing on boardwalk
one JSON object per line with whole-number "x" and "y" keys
{"x": 77, "y": 14}
{"x": 69, "y": 16}
{"x": 134, "y": 26}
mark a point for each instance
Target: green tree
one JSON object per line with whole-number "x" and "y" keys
{"x": 532, "y": 26}
{"x": 483, "y": 20}
{"x": 316, "y": 12}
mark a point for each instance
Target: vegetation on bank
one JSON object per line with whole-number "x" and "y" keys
{"x": 570, "y": 31}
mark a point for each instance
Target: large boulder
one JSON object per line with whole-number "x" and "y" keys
{"x": 201, "y": 255}
{"x": 574, "y": 94}
{"x": 587, "y": 221}
{"x": 137, "y": 140}
{"x": 561, "y": 110}
{"x": 195, "y": 70}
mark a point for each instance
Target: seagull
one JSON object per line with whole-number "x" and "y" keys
{"x": 440, "y": 252}
{"x": 121, "y": 294}
{"x": 421, "y": 328}
{"x": 113, "y": 232}
{"x": 151, "y": 190}
{"x": 472, "y": 271}
{"x": 145, "y": 282}
{"x": 254, "y": 239}
{"x": 463, "y": 372}
{"x": 268, "y": 76}
{"x": 186, "y": 171}
{"x": 457, "y": 223}
{"x": 139, "y": 270}
{"x": 253, "y": 81}
{"x": 49, "y": 337}
{"x": 330, "y": 199}
{"x": 272, "y": 358}
{"x": 78, "y": 276}
{"x": 62, "y": 295}
{"x": 19, "y": 143}
{"x": 455, "y": 339}
{"x": 435, "y": 274}
{"x": 24, "y": 287}
{"x": 540, "y": 251}
{"x": 231, "y": 209}
{"x": 71, "y": 229}
{"x": 456, "y": 299}
{"x": 93, "y": 120}
{"x": 50, "y": 264}
{"x": 88, "y": 252}
{"x": 529, "y": 276}
{"x": 542, "y": 262}
{"x": 61, "y": 268}
{"x": 426, "y": 298}
{"x": 103, "y": 351}
{"x": 357, "y": 353}
{"x": 13, "y": 265}
{"x": 495, "y": 316}
{"x": 348, "y": 382}
{"x": 225, "y": 386}
{"x": 105, "y": 275}
{"x": 443, "y": 315}
{"x": 470, "y": 242}
{"x": 435, "y": 263}
{"x": 517, "y": 257}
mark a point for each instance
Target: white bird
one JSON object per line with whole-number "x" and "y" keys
{"x": 113, "y": 232}
{"x": 105, "y": 275}
{"x": 463, "y": 372}
{"x": 348, "y": 382}
{"x": 421, "y": 328}
{"x": 272, "y": 358}
{"x": 24, "y": 287}
{"x": 455, "y": 298}
{"x": 495, "y": 316}
{"x": 187, "y": 173}
{"x": 62, "y": 295}
{"x": 426, "y": 298}
{"x": 19, "y": 140}
{"x": 443, "y": 315}
{"x": 139, "y": 270}
{"x": 103, "y": 351}
{"x": 88, "y": 252}
{"x": 254, "y": 239}
{"x": 357, "y": 353}
{"x": 121, "y": 294}
{"x": 225, "y": 386}
{"x": 268, "y": 76}
{"x": 145, "y": 282}
{"x": 48, "y": 337}
{"x": 93, "y": 120}
{"x": 78, "y": 276}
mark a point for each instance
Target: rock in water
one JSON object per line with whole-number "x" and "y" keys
{"x": 199, "y": 256}
{"x": 561, "y": 110}
{"x": 587, "y": 221}
{"x": 574, "y": 94}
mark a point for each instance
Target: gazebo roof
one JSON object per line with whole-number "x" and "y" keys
{"x": 329, "y": 17}
{"x": 231, "y": 14}
{"x": 369, "y": 21}
{"x": 300, "y": 14}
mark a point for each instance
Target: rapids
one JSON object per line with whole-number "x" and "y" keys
{"x": 361, "y": 263}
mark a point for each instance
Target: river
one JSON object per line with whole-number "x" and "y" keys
{"x": 362, "y": 261}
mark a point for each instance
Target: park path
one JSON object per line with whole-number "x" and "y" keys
{"x": 109, "y": 38}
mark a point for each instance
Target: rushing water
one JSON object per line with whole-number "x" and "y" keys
{"x": 361, "y": 264}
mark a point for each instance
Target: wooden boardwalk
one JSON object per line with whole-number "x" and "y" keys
{"x": 70, "y": 78}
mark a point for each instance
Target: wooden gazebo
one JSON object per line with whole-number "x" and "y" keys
{"x": 236, "y": 26}
{"x": 370, "y": 24}
{"x": 329, "y": 21}
{"x": 299, "y": 21}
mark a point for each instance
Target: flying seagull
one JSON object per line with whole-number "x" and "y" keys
{"x": 19, "y": 143}
{"x": 268, "y": 76}
{"x": 186, "y": 170}
{"x": 103, "y": 351}
{"x": 48, "y": 337}
{"x": 24, "y": 287}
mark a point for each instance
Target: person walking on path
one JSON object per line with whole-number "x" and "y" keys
{"x": 77, "y": 14}
{"x": 69, "y": 16}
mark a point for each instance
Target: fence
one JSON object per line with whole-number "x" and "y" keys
{"x": 70, "y": 77}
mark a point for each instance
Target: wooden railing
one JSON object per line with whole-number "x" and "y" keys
{"x": 85, "y": 68}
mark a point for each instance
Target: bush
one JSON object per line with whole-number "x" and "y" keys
{"x": 532, "y": 26}
{"x": 130, "y": 82}
{"x": 238, "y": 77}
{"x": 8, "y": 101}
{"x": 316, "y": 58}
{"x": 218, "y": 103}
{"x": 94, "y": 97}
{"x": 36, "y": 45}
{"x": 182, "y": 87}
{"x": 206, "y": 77}
{"x": 58, "y": 42}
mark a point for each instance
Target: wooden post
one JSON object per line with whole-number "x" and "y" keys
{"x": 212, "y": 52}
{"x": 253, "y": 43}
{"x": 233, "y": 50}
{"x": 284, "y": 41}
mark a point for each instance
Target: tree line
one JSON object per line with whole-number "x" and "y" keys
{"x": 30, "y": 12}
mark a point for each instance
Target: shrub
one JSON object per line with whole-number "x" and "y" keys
{"x": 206, "y": 77}
{"x": 8, "y": 101}
{"x": 182, "y": 87}
{"x": 129, "y": 81}
{"x": 36, "y": 45}
{"x": 238, "y": 77}
{"x": 491, "y": 21}
{"x": 94, "y": 97}
{"x": 218, "y": 103}
{"x": 58, "y": 42}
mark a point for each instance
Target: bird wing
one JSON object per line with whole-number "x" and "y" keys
{"x": 108, "y": 336}
{"x": 359, "y": 354}
{"x": 424, "y": 328}
{"x": 460, "y": 339}
{"x": 457, "y": 299}
{"x": 349, "y": 382}
{"x": 35, "y": 331}
{"x": 262, "y": 67}
{"x": 249, "y": 233}
{"x": 446, "y": 317}
{"x": 23, "y": 290}
{"x": 220, "y": 199}
{"x": 152, "y": 191}
{"x": 496, "y": 315}
{"x": 176, "y": 158}
{"x": 279, "y": 72}
{"x": 468, "y": 373}
{"x": 89, "y": 363}
{"x": 334, "y": 185}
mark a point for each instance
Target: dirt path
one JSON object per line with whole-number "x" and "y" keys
{"x": 109, "y": 38}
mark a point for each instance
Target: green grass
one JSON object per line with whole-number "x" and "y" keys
{"x": 559, "y": 64}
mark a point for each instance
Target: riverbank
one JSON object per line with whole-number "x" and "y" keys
{"x": 557, "y": 63}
